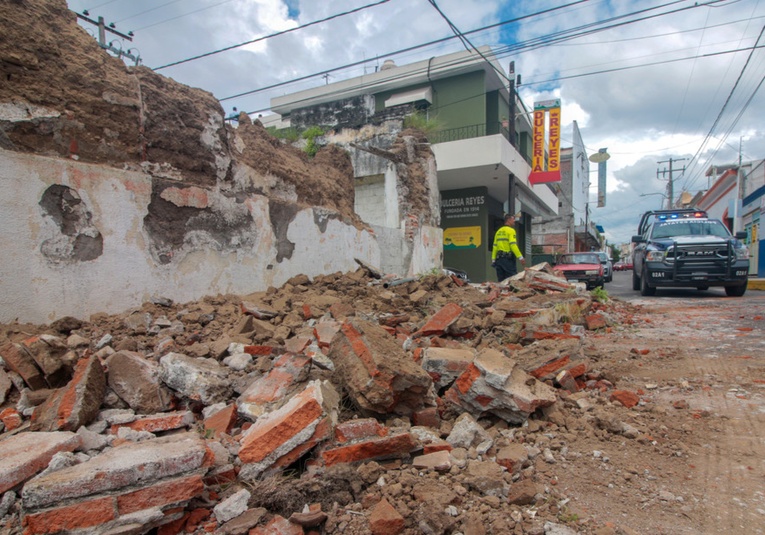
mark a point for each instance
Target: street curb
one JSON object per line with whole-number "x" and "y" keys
{"x": 755, "y": 284}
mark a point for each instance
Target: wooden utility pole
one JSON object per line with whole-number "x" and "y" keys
{"x": 102, "y": 29}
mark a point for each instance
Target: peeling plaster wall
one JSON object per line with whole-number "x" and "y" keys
{"x": 121, "y": 265}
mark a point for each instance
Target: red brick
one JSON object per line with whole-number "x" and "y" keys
{"x": 287, "y": 371}
{"x": 257, "y": 351}
{"x": 221, "y": 421}
{"x": 70, "y": 517}
{"x": 77, "y": 403}
{"x": 468, "y": 377}
{"x": 578, "y": 369}
{"x": 427, "y": 417}
{"x": 385, "y": 520}
{"x": 154, "y": 423}
{"x": 10, "y": 418}
{"x": 625, "y": 397}
{"x": 297, "y": 344}
{"x": 324, "y": 332}
{"x": 160, "y": 494}
{"x": 270, "y": 432}
{"x": 360, "y": 428}
{"x": 340, "y": 311}
{"x": 322, "y": 432}
{"x": 595, "y": 322}
{"x": 438, "y": 445}
{"x": 441, "y": 320}
{"x": 550, "y": 367}
{"x": 21, "y": 362}
{"x": 379, "y": 448}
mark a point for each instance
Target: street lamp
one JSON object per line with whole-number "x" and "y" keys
{"x": 662, "y": 195}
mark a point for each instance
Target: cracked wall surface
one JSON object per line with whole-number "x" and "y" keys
{"x": 118, "y": 185}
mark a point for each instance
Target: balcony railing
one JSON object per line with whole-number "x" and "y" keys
{"x": 469, "y": 132}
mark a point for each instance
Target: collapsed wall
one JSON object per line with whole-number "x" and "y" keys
{"x": 118, "y": 185}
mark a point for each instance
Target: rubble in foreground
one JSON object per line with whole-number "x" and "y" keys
{"x": 346, "y": 404}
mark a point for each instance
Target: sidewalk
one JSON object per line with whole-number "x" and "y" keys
{"x": 755, "y": 284}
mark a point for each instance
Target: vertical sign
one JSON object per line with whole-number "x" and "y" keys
{"x": 600, "y": 158}
{"x": 541, "y": 173}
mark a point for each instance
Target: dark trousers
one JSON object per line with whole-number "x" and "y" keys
{"x": 506, "y": 267}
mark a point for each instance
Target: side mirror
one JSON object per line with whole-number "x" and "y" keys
{"x": 741, "y": 235}
{"x": 637, "y": 238}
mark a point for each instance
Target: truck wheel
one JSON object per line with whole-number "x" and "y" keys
{"x": 646, "y": 290}
{"x": 735, "y": 291}
{"x": 635, "y": 281}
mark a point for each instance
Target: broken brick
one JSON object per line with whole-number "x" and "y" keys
{"x": 441, "y": 320}
{"x": 378, "y": 374}
{"x": 277, "y": 433}
{"x": 359, "y": 428}
{"x": 378, "y": 448}
{"x": 221, "y": 421}
{"x": 21, "y": 362}
{"x": 625, "y": 397}
{"x": 385, "y": 520}
{"x": 155, "y": 423}
{"x": 77, "y": 403}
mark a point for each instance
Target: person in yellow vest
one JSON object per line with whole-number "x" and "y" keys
{"x": 505, "y": 250}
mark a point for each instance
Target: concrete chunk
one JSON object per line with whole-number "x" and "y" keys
{"x": 136, "y": 381}
{"x": 24, "y": 455}
{"x": 125, "y": 465}
{"x": 495, "y": 384}
{"x": 200, "y": 379}
{"x": 376, "y": 371}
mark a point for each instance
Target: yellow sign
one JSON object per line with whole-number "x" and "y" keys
{"x": 462, "y": 238}
{"x": 541, "y": 173}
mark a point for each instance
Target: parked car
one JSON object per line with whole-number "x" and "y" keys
{"x": 608, "y": 268}
{"x": 620, "y": 265}
{"x": 581, "y": 267}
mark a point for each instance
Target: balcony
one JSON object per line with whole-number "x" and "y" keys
{"x": 470, "y": 131}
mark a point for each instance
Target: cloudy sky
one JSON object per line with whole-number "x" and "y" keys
{"x": 650, "y": 80}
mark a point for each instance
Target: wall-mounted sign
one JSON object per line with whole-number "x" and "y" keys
{"x": 546, "y": 142}
{"x": 462, "y": 237}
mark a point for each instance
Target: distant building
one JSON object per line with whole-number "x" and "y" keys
{"x": 571, "y": 229}
{"x": 736, "y": 196}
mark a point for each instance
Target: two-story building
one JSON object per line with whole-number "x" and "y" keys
{"x": 479, "y": 132}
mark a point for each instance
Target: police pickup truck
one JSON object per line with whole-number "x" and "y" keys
{"x": 686, "y": 249}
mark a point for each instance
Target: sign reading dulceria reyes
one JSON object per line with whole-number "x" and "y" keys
{"x": 546, "y": 170}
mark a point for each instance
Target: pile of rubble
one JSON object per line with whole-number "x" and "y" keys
{"x": 347, "y": 404}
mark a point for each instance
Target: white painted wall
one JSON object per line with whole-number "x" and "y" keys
{"x": 35, "y": 289}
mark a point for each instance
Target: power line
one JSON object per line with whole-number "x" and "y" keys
{"x": 344, "y": 13}
{"x": 727, "y": 101}
{"x": 505, "y": 51}
{"x": 149, "y": 10}
{"x": 183, "y": 15}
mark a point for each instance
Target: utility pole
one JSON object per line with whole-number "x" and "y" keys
{"x": 102, "y": 29}
{"x": 511, "y": 90}
{"x": 670, "y": 185}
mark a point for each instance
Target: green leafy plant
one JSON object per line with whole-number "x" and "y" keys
{"x": 420, "y": 121}
{"x": 310, "y": 135}
{"x": 600, "y": 294}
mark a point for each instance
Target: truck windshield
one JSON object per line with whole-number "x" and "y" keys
{"x": 669, "y": 229}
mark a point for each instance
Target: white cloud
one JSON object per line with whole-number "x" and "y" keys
{"x": 642, "y": 114}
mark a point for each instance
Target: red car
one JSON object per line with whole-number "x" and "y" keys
{"x": 581, "y": 267}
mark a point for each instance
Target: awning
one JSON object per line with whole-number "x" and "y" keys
{"x": 407, "y": 97}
